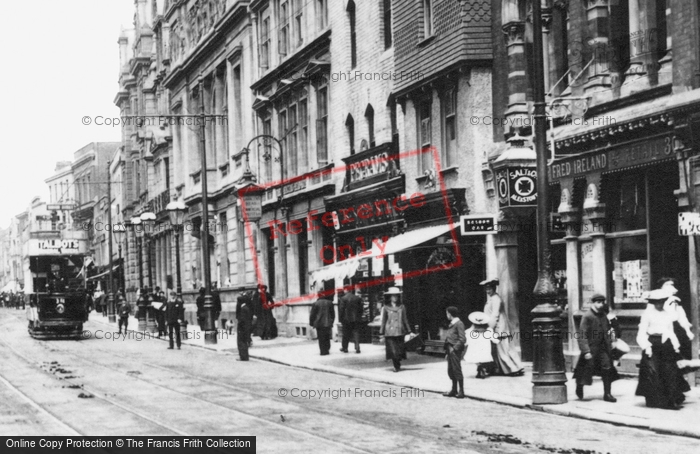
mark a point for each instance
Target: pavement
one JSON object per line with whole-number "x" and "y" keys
{"x": 429, "y": 373}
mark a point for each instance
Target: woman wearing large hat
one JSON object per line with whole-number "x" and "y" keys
{"x": 506, "y": 359}
{"x": 660, "y": 381}
{"x": 394, "y": 326}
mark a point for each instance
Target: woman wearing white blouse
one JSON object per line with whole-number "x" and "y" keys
{"x": 681, "y": 325}
{"x": 660, "y": 380}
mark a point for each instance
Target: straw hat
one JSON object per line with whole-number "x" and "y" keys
{"x": 393, "y": 291}
{"x": 493, "y": 282}
{"x": 478, "y": 318}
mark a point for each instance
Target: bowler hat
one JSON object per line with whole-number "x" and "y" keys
{"x": 478, "y": 318}
{"x": 597, "y": 297}
{"x": 493, "y": 282}
{"x": 393, "y": 291}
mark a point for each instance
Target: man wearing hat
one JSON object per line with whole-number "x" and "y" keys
{"x": 350, "y": 310}
{"x": 595, "y": 343}
{"x": 322, "y": 317}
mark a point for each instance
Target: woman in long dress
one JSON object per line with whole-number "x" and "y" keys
{"x": 660, "y": 380}
{"x": 394, "y": 327}
{"x": 681, "y": 325}
{"x": 506, "y": 359}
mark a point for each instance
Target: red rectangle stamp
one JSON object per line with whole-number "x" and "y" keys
{"x": 364, "y": 208}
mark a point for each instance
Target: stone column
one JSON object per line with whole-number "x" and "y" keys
{"x": 644, "y": 47}
{"x": 598, "y": 83}
{"x": 507, "y": 255}
{"x": 517, "y": 109}
{"x": 594, "y": 213}
{"x": 571, "y": 218}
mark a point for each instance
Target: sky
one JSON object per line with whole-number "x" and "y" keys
{"x": 60, "y": 64}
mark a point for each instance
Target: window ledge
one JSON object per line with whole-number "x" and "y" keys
{"x": 449, "y": 170}
{"x": 426, "y": 41}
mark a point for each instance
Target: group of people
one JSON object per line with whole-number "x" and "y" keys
{"x": 254, "y": 317}
{"x": 12, "y": 299}
{"x": 664, "y": 336}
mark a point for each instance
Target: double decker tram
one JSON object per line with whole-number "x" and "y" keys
{"x": 55, "y": 289}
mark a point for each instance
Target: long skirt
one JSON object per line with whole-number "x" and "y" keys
{"x": 660, "y": 380}
{"x": 686, "y": 349}
{"x": 394, "y": 348}
{"x": 506, "y": 358}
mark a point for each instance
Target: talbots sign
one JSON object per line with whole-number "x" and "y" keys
{"x": 517, "y": 186}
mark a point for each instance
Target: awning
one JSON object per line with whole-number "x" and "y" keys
{"x": 11, "y": 286}
{"x": 347, "y": 268}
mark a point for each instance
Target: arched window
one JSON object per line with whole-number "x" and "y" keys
{"x": 350, "y": 127}
{"x": 369, "y": 117}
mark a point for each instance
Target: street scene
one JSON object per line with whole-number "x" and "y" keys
{"x": 351, "y": 226}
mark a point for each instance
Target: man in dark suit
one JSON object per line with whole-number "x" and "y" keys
{"x": 244, "y": 317}
{"x": 350, "y": 315}
{"x": 123, "y": 312}
{"x": 455, "y": 340}
{"x": 322, "y": 317}
{"x": 595, "y": 343}
{"x": 174, "y": 314}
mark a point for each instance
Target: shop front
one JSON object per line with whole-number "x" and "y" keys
{"x": 616, "y": 223}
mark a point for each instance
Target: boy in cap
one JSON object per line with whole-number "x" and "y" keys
{"x": 596, "y": 349}
{"x": 455, "y": 341}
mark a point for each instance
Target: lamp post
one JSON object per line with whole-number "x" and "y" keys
{"x": 120, "y": 231}
{"x": 142, "y": 301}
{"x": 112, "y": 318}
{"x": 251, "y": 193}
{"x": 176, "y": 211}
{"x": 148, "y": 220}
{"x": 548, "y": 374}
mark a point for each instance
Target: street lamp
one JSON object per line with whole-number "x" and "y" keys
{"x": 176, "y": 211}
{"x": 148, "y": 220}
{"x": 548, "y": 374}
{"x": 119, "y": 230}
{"x": 142, "y": 301}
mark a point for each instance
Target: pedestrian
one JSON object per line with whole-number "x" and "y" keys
{"x": 506, "y": 359}
{"x": 479, "y": 344}
{"x": 174, "y": 315}
{"x": 244, "y": 319}
{"x": 264, "y": 303}
{"x": 455, "y": 341}
{"x": 350, "y": 314}
{"x": 394, "y": 326}
{"x": 216, "y": 305}
{"x": 322, "y": 317}
{"x": 660, "y": 380}
{"x": 200, "y": 308}
{"x": 595, "y": 342}
{"x": 160, "y": 311}
{"x": 124, "y": 312}
{"x": 681, "y": 325}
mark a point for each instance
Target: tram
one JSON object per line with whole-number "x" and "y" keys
{"x": 56, "y": 292}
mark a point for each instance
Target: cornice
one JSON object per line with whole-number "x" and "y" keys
{"x": 203, "y": 50}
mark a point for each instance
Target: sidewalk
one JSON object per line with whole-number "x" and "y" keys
{"x": 429, "y": 373}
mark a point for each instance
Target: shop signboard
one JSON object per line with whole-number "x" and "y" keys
{"x": 688, "y": 224}
{"x": 517, "y": 187}
{"x": 641, "y": 152}
{"x": 478, "y": 224}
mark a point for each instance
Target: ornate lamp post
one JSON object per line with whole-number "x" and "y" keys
{"x": 176, "y": 211}
{"x": 119, "y": 231}
{"x": 142, "y": 301}
{"x": 148, "y": 221}
{"x": 548, "y": 374}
